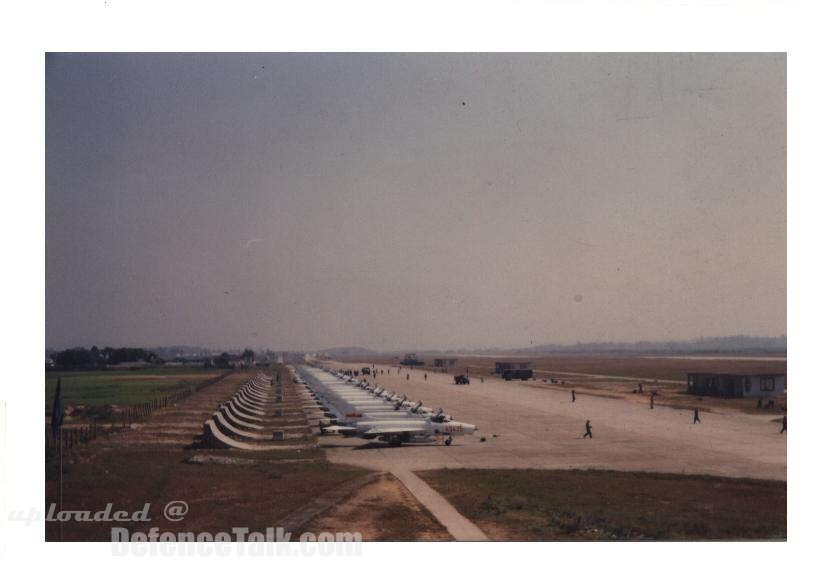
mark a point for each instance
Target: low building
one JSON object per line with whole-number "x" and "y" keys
{"x": 444, "y": 362}
{"x": 736, "y": 385}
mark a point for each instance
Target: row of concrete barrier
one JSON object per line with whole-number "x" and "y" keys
{"x": 257, "y": 417}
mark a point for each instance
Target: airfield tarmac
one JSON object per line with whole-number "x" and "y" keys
{"x": 536, "y": 427}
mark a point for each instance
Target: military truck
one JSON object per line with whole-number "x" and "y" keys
{"x": 514, "y": 370}
{"x": 461, "y": 379}
{"x": 517, "y": 374}
{"x": 411, "y": 360}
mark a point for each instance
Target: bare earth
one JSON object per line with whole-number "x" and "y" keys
{"x": 383, "y": 510}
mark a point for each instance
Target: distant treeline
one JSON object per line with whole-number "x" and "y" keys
{"x": 96, "y": 358}
{"x": 91, "y": 358}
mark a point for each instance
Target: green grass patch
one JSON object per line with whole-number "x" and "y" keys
{"x": 610, "y": 505}
{"x": 124, "y": 388}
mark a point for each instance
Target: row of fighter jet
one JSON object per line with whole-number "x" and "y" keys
{"x": 360, "y": 409}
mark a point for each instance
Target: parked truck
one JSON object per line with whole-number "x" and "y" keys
{"x": 411, "y": 360}
{"x": 514, "y": 370}
{"x": 517, "y": 374}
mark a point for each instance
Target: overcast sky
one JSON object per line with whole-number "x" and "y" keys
{"x": 413, "y": 201}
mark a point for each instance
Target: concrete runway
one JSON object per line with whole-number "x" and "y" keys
{"x": 542, "y": 428}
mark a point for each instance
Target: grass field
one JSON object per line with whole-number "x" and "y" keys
{"x": 606, "y": 505}
{"x": 122, "y": 388}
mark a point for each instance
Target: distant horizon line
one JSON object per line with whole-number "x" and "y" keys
{"x": 479, "y": 349}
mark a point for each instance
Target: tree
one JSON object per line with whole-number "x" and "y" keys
{"x": 222, "y": 360}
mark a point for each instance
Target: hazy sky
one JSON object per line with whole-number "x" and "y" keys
{"x": 413, "y": 201}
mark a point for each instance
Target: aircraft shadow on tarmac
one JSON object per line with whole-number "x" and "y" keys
{"x": 381, "y": 445}
{"x": 375, "y": 445}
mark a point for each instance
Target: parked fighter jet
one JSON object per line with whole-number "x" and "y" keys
{"x": 395, "y": 432}
{"x": 361, "y": 410}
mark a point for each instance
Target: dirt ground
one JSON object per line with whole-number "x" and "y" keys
{"x": 159, "y": 460}
{"x": 383, "y": 510}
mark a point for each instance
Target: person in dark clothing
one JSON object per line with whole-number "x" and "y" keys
{"x": 784, "y": 424}
{"x": 426, "y": 376}
{"x": 640, "y": 387}
{"x": 697, "y": 416}
{"x": 651, "y": 401}
{"x": 407, "y": 376}
{"x": 588, "y": 430}
{"x": 573, "y": 395}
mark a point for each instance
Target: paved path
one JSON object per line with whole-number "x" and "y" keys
{"x": 462, "y": 529}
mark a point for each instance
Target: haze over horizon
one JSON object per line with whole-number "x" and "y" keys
{"x": 307, "y": 201}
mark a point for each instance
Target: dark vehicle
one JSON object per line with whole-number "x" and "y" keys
{"x": 366, "y": 370}
{"x": 461, "y": 379}
{"x": 411, "y": 360}
{"x": 515, "y": 370}
{"x": 518, "y": 374}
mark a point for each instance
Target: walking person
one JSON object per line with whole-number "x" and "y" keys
{"x": 573, "y": 395}
{"x": 651, "y": 401}
{"x": 784, "y": 424}
{"x": 697, "y": 416}
{"x": 588, "y": 430}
